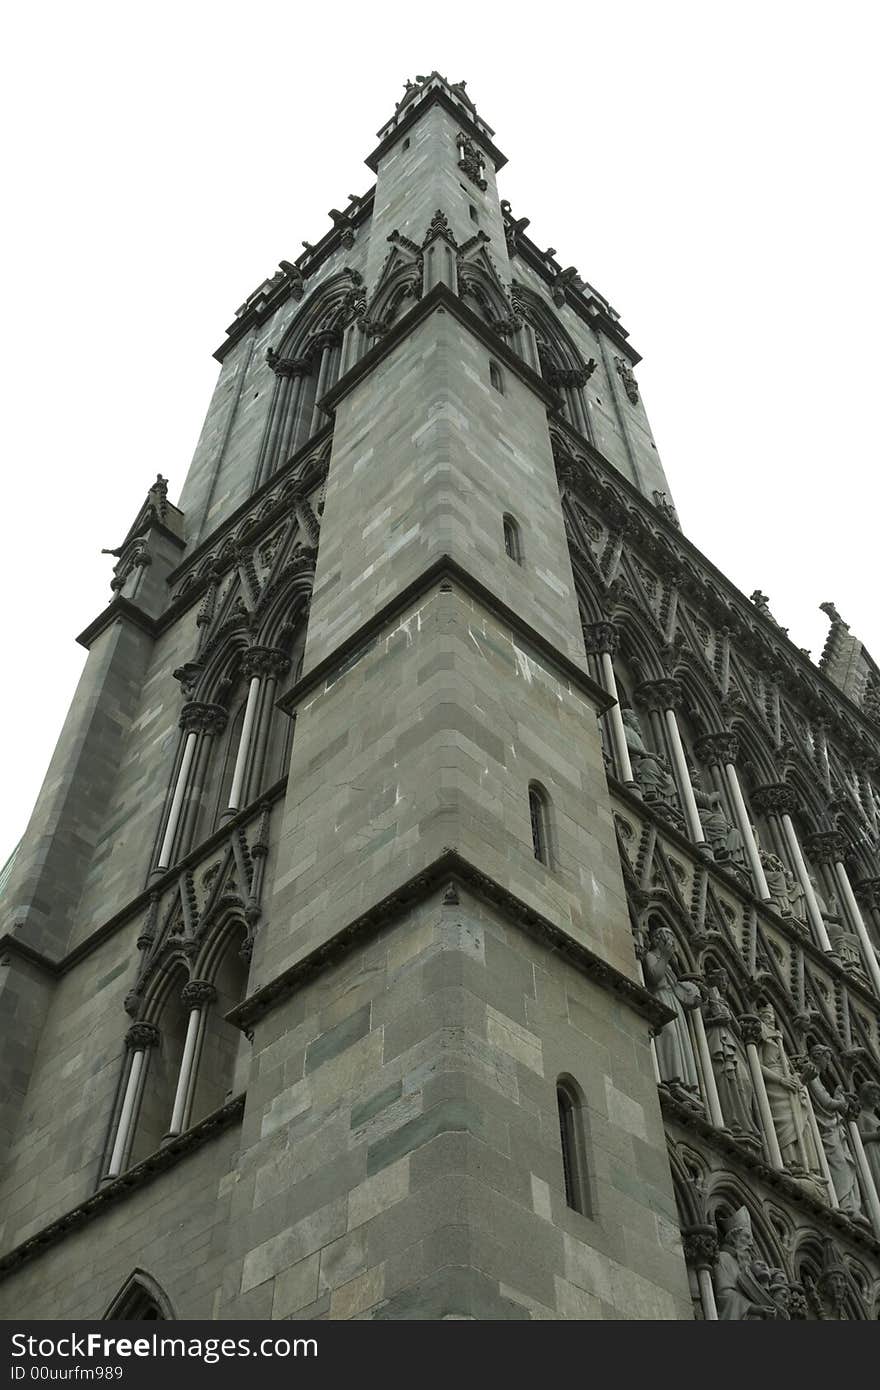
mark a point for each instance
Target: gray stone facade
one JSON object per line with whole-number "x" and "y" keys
{"x": 360, "y": 959}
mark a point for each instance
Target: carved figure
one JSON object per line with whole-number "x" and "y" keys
{"x": 788, "y": 1102}
{"x": 740, "y": 1294}
{"x": 738, "y": 1103}
{"x": 869, "y": 1127}
{"x": 651, "y": 769}
{"x": 832, "y": 1109}
{"x": 675, "y": 1052}
{"x": 722, "y": 837}
{"x": 777, "y": 883}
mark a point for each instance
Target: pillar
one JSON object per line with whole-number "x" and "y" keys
{"x": 197, "y": 996}
{"x": 138, "y": 1041}
{"x": 600, "y": 640}
{"x": 701, "y": 1252}
{"x": 663, "y": 697}
{"x": 750, "y": 1026}
{"x": 722, "y": 749}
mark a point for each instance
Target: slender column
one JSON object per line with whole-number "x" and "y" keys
{"x": 139, "y": 1038}
{"x": 858, "y": 922}
{"x": 204, "y": 721}
{"x": 751, "y": 1033}
{"x": 713, "y": 1100}
{"x": 177, "y": 800}
{"x": 869, "y": 1187}
{"x": 197, "y": 996}
{"x": 270, "y": 664}
{"x": 820, "y": 1150}
{"x": 325, "y": 344}
{"x": 779, "y": 801}
{"x": 244, "y": 744}
{"x": 600, "y": 640}
{"x": 745, "y": 829}
{"x": 664, "y": 696}
{"x": 701, "y": 1252}
{"x": 297, "y": 370}
{"x": 829, "y": 847}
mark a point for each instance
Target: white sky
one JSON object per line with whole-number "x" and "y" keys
{"x": 711, "y": 169}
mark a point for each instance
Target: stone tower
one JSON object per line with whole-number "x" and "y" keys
{"x": 430, "y": 910}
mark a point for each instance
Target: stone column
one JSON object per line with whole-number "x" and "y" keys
{"x": 664, "y": 696}
{"x": 600, "y": 640}
{"x": 867, "y": 892}
{"x": 829, "y": 849}
{"x": 722, "y": 749}
{"x": 713, "y": 1100}
{"x": 208, "y": 721}
{"x": 295, "y": 370}
{"x": 701, "y": 1252}
{"x": 138, "y": 1040}
{"x": 750, "y": 1025}
{"x": 199, "y": 722}
{"x": 869, "y": 1187}
{"x": 197, "y": 996}
{"x": 323, "y": 345}
{"x": 779, "y": 801}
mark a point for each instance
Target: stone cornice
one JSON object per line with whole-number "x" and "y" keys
{"x": 437, "y": 97}
{"x": 784, "y": 649}
{"x": 158, "y": 884}
{"x": 306, "y": 264}
{"x": 155, "y": 1163}
{"x": 783, "y": 1183}
{"x": 451, "y": 866}
{"x": 120, "y": 609}
{"x": 445, "y": 567}
{"x": 438, "y": 298}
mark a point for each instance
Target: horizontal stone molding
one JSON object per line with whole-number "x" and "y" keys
{"x": 451, "y": 866}
{"x": 150, "y": 1167}
{"x": 444, "y": 567}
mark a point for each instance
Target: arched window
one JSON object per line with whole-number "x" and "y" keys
{"x": 141, "y": 1299}
{"x": 571, "y": 1138}
{"x": 496, "y": 377}
{"x": 539, "y": 814}
{"x": 512, "y": 546}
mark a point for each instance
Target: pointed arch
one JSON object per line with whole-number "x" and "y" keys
{"x": 141, "y": 1299}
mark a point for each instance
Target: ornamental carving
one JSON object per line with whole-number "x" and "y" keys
{"x": 288, "y": 366}
{"x": 264, "y": 661}
{"x": 630, "y": 385}
{"x": 197, "y": 993}
{"x": 775, "y": 799}
{"x": 599, "y": 638}
{"x": 660, "y": 694}
{"x": 471, "y": 160}
{"x": 197, "y": 717}
{"x": 140, "y": 1036}
{"x": 721, "y": 748}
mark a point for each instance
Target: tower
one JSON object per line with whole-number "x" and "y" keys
{"x": 427, "y": 912}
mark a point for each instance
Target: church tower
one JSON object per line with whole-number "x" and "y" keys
{"x": 448, "y": 898}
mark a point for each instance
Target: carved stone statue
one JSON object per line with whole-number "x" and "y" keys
{"x": 788, "y": 1102}
{"x": 740, "y": 1294}
{"x": 738, "y": 1103}
{"x": 651, "y": 769}
{"x": 832, "y": 1109}
{"x": 797, "y": 899}
{"x": 722, "y": 837}
{"x": 869, "y": 1127}
{"x": 675, "y": 1052}
{"x": 777, "y": 883}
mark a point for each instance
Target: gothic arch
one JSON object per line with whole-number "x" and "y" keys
{"x": 140, "y": 1299}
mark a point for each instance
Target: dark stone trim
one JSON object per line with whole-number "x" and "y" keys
{"x": 451, "y": 865}
{"x": 119, "y": 609}
{"x": 306, "y": 263}
{"x": 142, "y": 1173}
{"x": 158, "y": 884}
{"x": 722, "y": 1141}
{"x": 577, "y": 301}
{"x": 437, "y": 97}
{"x": 235, "y": 518}
{"x": 444, "y": 567}
{"x": 11, "y": 945}
{"x": 785, "y": 649}
{"x": 440, "y": 297}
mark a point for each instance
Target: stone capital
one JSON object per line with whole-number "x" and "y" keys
{"x": 750, "y": 1028}
{"x": 722, "y": 747}
{"x": 600, "y": 637}
{"x": 775, "y": 799}
{"x": 826, "y": 846}
{"x": 867, "y": 890}
{"x": 197, "y": 993}
{"x": 660, "y": 694}
{"x": 197, "y": 717}
{"x": 140, "y": 1036}
{"x": 700, "y": 1246}
{"x": 264, "y": 661}
{"x": 288, "y": 366}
